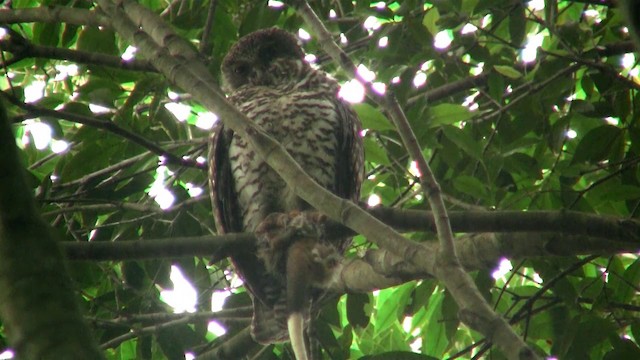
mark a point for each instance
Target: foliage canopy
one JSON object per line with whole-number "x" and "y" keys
{"x": 518, "y": 106}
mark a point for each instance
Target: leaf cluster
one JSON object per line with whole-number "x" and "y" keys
{"x": 502, "y": 131}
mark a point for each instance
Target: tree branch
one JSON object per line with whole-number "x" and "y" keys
{"x": 378, "y": 268}
{"x": 23, "y": 50}
{"x": 447, "y": 266}
{"x": 54, "y": 14}
{"x": 36, "y": 111}
{"x": 32, "y": 269}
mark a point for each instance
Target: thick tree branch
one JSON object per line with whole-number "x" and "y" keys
{"x": 515, "y": 230}
{"x": 379, "y": 268}
{"x": 37, "y": 303}
{"x": 448, "y": 268}
{"x": 54, "y": 14}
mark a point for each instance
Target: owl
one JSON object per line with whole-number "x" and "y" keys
{"x": 267, "y": 79}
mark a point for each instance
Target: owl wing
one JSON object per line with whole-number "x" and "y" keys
{"x": 227, "y": 213}
{"x": 265, "y": 291}
{"x": 349, "y": 158}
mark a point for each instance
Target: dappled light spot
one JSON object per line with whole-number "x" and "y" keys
{"x": 162, "y": 196}
{"x": 194, "y": 191}
{"x": 275, "y": 4}
{"x": 380, "y": 5}
{"x": 215, "y": 328}
{"x": 303, "y": 34}
{"x": 372, "y": 23}
{"x": 477, "y": 70}
{"x": 310, "y": 58}
{"x": 536, "y": 5}
{"x": 468, "y": 29}
{"x": 218, "y": 299}
{"x": 413, "y": 169}
{"x": 352, "y": 91}
{"x": 470, "y": 101}
{"x": 59, "y": 146}
{"x": 129, "y": 53}
{"x": 34, "y": 91}
{"x": 365, "y": 73}
{"x": 379, "y": 87}
{"x": 383, "y": 41}
{"x": 443, "y": 39}
{"x": 206, "y": 120}
{"x": 183, "y": 297}
{"x": 65, "y": 71}
{"x": 530, "y": 51}
{"x": 612, "y": 120}
{"x": 180, "y": 111}
{"x": 39, "y": 131}
{"x": 99, "y": 109}
{"x": 374, "y": 200}
{"x": 420, "y": 79}
{"x": 504, "y": 267}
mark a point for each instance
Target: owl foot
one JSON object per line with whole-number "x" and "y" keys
{"x": 279, "y": 230}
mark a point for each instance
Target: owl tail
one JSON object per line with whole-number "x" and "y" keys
{"x": 269, "y": 324}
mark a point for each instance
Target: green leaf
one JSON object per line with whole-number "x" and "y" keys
{"x": 430, "y": 20}
{"x": 434, "y": 338}
{"x": 372, "y": 118}
{"x": 463, "y": 141}
{"x": 623, "y": 349}
{"x": 470, "y": 186}
{"x": 356, "y": 314}
{"x": 100, "y": 92}
{"x": 375, "y": 152}
{"x": 622, "y": 193}
{"x": 496, "y": 86}
{"x": 517, "y": 23}
{"x": 97, "y": 40}
{"x": 598, "y": 144}
{"x": 508, "y": 71}
{"x": 626, "y": 290}
{"x": 47, "y": 34}
{"x": 447, "y": 114}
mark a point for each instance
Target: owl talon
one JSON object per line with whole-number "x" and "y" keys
{"x": 278, "y": 231}
{"x": 273, "y": 231}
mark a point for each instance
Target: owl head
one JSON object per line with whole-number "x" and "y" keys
{"x": 261, "y": 58}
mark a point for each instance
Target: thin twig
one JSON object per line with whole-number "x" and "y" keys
{"x": 37, "y": 111}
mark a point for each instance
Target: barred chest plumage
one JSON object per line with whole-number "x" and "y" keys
{"x": 305, "y": 122}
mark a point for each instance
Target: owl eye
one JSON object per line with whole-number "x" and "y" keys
{"x": 242, "y": 69}
{"x": 269, "y": 52}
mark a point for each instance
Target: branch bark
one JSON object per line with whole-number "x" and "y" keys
{"x": 54, "y": 14}
{"x": 378, "y": 269}
{"x": 37, "y": 303}
{"x": 447, "y": 266}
